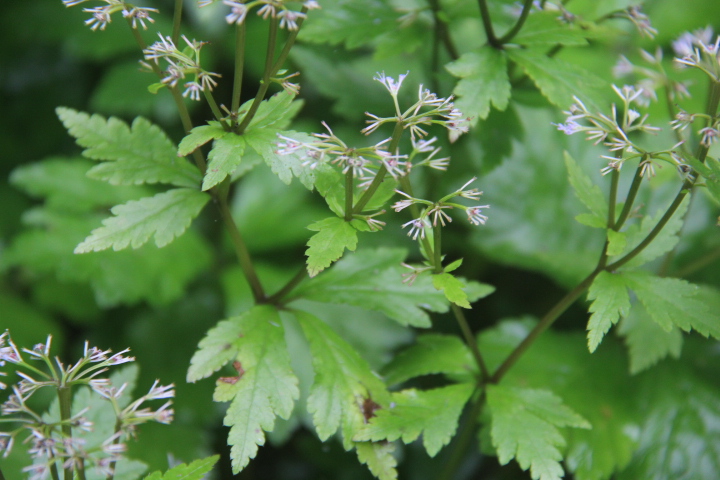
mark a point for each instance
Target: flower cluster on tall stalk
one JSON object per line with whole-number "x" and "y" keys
{"x": 60, "y": 444}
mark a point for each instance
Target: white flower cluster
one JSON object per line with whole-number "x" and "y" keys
{"x": 267, "y": 9}
{"x": 102, "y": 15}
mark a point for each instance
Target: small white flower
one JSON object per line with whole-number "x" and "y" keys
{"x": 288, "y": 19}
{"x": 238, "y": 11}
{"x": 193, "y": 89}
{"x": 438, "y": 213}
{"x": 390, "y": 84}
{"x": 311, "y": 5}
{"x": 475, "y": 215}
{"x": 569, "y": 128}
{"x": 266, "y": 11}
{"x": 100, "y": 17}
{"x": 709, "y": 136}
{"x": 417, "y": 228}
{"x": 139, "y": 15}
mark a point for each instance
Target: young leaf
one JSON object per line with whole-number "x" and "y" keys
{"x": 559, "y": 80}
{"x": 672, "y": 301}
{"x": 133, "y": 155}
{"x": 264, "y": 387}
{"x": 452, "y": 288}
{"x": 264, "y": 142}
{"x": 276, "y": 112}
{"x": 371, "y": 279}
{"x": 431, "y": 354}
{"x": 617, "y": 242}
{"x": 483, "y": 80}
{"x": 585, "y": 190}
{"x": 545, "y": 28}
{"x": 199, "y": 136}
{"x": 333, "y": 237}
{"x": 224, "y": 158}
{"x": 346, "y": 393}
{"x": 378, "y": 458}
{"x": 434, "y": 413}
{"x": 164, "y": 216}
{"x": 525, "y": 426}
{"x": 647, "y": 342}
{"x": 194, "y": 471}
{"x": 610, "y": 302}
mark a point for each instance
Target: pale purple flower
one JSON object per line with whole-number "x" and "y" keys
{"x": 475, "y": 215}
{"x": 390, "y": 84}
{"x": 417, "y": 228}
{"x": 289, "y": 18}
{"x": 238, "y": 11}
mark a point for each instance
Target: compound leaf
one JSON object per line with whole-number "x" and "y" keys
{"x": 452, "y": 288}
{"x": 199, "y": 136}
{"x": 164, "y": 216}
{"x": 525, "y": 426}
{"x": 265, "y": 385}
{"x": 610, "y": 302}
{"x": 193, "y": 471}
{"x": 345, "y": 393}
{"x": 483, "y": 80}
{"x": 378, "y": 458}
{"x": 371, "y": 279}
{"x": 276, "y": 112}
{"x": 545, "y": 28}
{"x": 434, "y": 413}
{"x": 333, "y": 237}
{"x": 431, "y": 354}
{"x": 224, "y": 158}
{"x": 585, "y": 190}
{"x": 285, "y": 166}
{"x": 132, "y": 155}
{"x": 647, "y": 342}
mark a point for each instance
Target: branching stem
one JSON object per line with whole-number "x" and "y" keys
{"x": 239, "y": 66}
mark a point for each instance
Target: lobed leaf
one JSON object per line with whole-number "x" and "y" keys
{"x": 225, "y": 156}
{"x": 452, "y": 288}
{"x": 585, "y": 190}
{"x": 333, "y": 237}
{"x": 193, "y": 471}
{"x": 163, "y": 216}
{"x": 525, "y": 427}
{"x": 133, "y": 155}
{"x": 285, "y": 166}
{"x": 483, "y": 80}
{"x": 610, "y": 302}
{"x": 265, "y": 385}
{"x": 379, "y": 459}
{"x": 434, "y": 413}
{"x": 545, "y": 28}
{"x": 647, "y": 341}
{"x": 199, "y": 136}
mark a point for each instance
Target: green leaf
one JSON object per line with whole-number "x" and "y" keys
{"x": 264, "y": 386}
{"x": 483, "y": 80}
{"x": 276, "y": 112}
{"x": 133, "y": 155}
{"x": 223, "y": 159}
{"x": 378, "y": 458}
{"x": 431, "y": 354}
{"x": 199, "y": 136}
{"x": 452, "y": 288}
{"x": 585, "y": 190}
{"x": 591, "y": 220}
{"x": 545, "y": 28}
{"x": 371, "y": 279}
{"x": 345, "y": 393}
{"x": 610, "y": 302}
{"x": 559, "y": 80}
{"x": 617, "y": 242}
{"x": 710, "y": 170}
{"x": 264, "y": 142}
{"x": 647, "y": 342}
{"x": 215, "y": 350}
{"x": 194, "y": 471}
{"x": 164, "y": 216}
{"x": 674, "y": 302}
{"x": 333, "y": 237}
{"x": 525, "y": 427}
{"x": 434, "y": 413}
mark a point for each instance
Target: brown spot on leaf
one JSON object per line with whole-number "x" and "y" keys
{"x": 368, "y": 408}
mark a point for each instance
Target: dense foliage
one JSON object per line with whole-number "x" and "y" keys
{"x": 402, "y": 261}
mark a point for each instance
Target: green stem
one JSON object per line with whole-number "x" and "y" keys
{"x": 349, "y": 185}
{"x": 239, "y": 66}
{"x": 415, "y": 212}
{"x": 177, "y": 19}
{"x": 614, "y": 180}
{"x": 289, "y": 287}
{"x": 54, "y": 471}
{"x": 241, "y": 251}
{"x": 470, "y": 340}
{"x": 64, "y": 393}
{"x": 519, "y": 24}
{"x": 380, "y": 176}
{"x": 487, "y": 24}
{"x": 630, "y": 199}
{"x": 464, "y": 439}
{"x": 544, "y": 323}
{"x": 437, "y": 248}
{"x": 214, "y": 107}
{"x": 118, "y": 427}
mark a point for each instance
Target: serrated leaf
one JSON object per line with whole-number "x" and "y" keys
{"x": 525, "y": 427}
{"x": 371, "y": 279}
{"x": 559, "y": 80}
{"x": 674, "y": 302}
{"x": 434, "y": 413}
{"x": 591, "y": 220}
{"x": 664, "y": 242}
{"x": 378, "y": 458}
{"x": 545, "y": 28}
{"x": 215, "y": 350}
{"x": 610, "y": 302}
{"x": 585, "y": 190}
{"x": 483, "y": 80}
{"x": 225, "y": 156}
{"x": 452, "y": 288}
{"x": 710, "y": 170}
{"x": 199, "y": 136}
{"x": 133, "y": 155}
{"x": 345, "y": 392}
{"x": 617, "y": 242}
{"x": 647, "y": 342}
{"x": 164, "y": 217}
{"x": 193, "y": 471}
{"x": 333, "y": 237}
{"x": 285, "y": 166}
{"x": 276, "y": 112}
{"x": 265, "y": 385}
